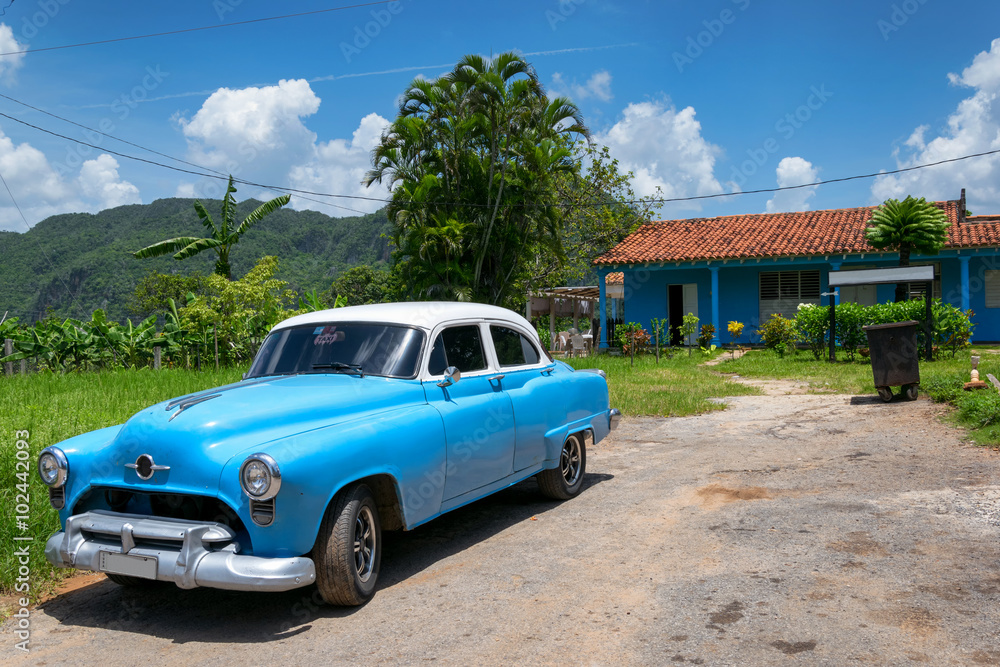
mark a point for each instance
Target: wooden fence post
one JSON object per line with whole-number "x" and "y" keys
{"x": 156, "y": 358}
{"x": 8, "y": 349}
{"x": 24, "y": 366}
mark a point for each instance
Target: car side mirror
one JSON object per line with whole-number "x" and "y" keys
{"x": 451, "y": 376}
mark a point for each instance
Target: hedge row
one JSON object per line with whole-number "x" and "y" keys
{"x": 952, "y": 328}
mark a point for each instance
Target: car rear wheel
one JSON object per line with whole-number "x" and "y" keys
{"x": 565, "y": 481}
{"x": 348, "y": 550}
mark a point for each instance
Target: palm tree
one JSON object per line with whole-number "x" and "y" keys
{"x": 472, "y": 161}
{"x": 911, "y": 225}
{"x": 223, "y": 237}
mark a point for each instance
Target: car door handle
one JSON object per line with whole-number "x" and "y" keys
{"x": 498, "y": 377}
{"x": 548, "y": 371}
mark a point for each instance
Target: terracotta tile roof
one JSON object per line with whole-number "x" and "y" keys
{"x": 615, "y": 278}
{"x": 806, "y": 233}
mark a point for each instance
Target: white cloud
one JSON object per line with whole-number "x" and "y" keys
{"x": 253, "y": 132}
{"x": 99, "y": 178}
{"x": 258, "y": 133}
{"x": 338, "y": 166}
{"x": 42, "y": 189}
{"x": 598, "y": 85}
{"x": 974, "y": 127}
{"x": 793, "y": 171}
{"x": 9, "y": 64}
{"x": 664, "y": 148}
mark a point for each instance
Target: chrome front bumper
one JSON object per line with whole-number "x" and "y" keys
{"x": 188, "y": 553}
{"x": 614, "y": 416}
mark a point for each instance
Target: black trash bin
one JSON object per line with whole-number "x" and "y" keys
{"x": 893, "y": 350}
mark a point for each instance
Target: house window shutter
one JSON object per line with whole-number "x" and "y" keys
{"x": 993, "y": 289}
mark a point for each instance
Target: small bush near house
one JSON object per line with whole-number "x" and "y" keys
{"x": 630, "y": 332}
{"x": 778, "y": 333}
{"x": 850, "y": 318}
{"x": 706, "y": 336}
{"x": 813, "y": 325}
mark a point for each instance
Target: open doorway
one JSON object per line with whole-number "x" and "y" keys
{"x": 681, "y": 300}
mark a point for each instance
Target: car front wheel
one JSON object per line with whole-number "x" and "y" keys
{"x": 348, "y": 550}
{"x": 565, "y": 481}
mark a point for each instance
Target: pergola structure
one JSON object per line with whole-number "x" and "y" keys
{"x": 549, "y": 300}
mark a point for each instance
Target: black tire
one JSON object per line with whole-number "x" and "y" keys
{"x": 910, "y": 391}
{"x": 348, "y": 549}
{"x": 885, "y": 393}
{"x": 565, "y": 481}
{"x": 131, "y": 582}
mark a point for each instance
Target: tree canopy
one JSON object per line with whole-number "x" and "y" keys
{"x": 473, "y": 161}
{"x": 908, "y": 226}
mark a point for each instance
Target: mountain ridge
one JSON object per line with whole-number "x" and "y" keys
{"x": 72, "y": 263}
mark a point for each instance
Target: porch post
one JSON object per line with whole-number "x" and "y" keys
{"x": 552, "y": 322}
{"x": 715, "y": 303}
{"x": 602, "y": 278}
{"x": 835, "y": 266}
{"x": 964, "y": 264}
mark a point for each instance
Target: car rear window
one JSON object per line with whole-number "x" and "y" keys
{"x": 513, "y": 348}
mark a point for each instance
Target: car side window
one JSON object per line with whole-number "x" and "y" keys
{"x": 513, "y": 348}
{"x": 461, "y": 347}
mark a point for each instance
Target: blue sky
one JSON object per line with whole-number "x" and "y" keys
{"x": 697, "y": 98}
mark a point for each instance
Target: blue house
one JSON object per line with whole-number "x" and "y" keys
{"x": 747, "y": 267}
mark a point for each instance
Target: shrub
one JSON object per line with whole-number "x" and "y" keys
{"x": 778, "y": 333}
{"x": 707, "y": 334}
{"x": 850, "y": 318}
{"x": 626, "y": 333}
{"x": 689, "y": 325}
{"x": 735, "y": 330}
{"x": 813, "y": 324}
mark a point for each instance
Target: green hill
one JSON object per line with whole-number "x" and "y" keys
{"x": 77, "y": 262}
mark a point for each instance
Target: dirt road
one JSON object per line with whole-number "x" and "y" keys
{"x": 788, "y": 529}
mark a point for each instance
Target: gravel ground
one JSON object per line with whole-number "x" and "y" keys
{"x": 789, "y": 529}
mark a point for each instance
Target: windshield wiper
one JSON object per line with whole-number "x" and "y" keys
{"x": 340, "y": 366}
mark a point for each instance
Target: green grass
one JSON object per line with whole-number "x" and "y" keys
{"x": 53, "y": 407}
{"x": 943, "y": 379}
{"x": 675, "y": 387}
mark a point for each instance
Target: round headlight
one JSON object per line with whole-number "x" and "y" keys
{"x": 259, "y": 477}
{"x": 53, "y": 467}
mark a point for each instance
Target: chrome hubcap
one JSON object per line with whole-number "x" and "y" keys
{"x": 364, "y": 544}
{"x": 570, "y": 461}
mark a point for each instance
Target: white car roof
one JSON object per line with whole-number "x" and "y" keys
{"x": 423, "y": 314}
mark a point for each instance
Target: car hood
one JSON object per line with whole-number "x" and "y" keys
{"x": 196, "y": 438}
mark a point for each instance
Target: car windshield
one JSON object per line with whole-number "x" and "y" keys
{"x": 344, "y": 347}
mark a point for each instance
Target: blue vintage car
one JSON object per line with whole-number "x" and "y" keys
{"x": 350, "y": 421}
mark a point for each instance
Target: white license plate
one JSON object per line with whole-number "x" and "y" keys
{"x": 143, "y": 567}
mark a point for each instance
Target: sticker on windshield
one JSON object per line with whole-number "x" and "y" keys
{"x": 326, "y": 335}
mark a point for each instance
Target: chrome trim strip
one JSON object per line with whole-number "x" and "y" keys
{"x": 226, "y": 387}
{"x": 184, "y": 405}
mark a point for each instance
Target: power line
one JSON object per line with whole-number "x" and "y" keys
{"x": 660, "y": 200}
{"x": 217, "y": 174}
{"x": 206, "y": 27}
